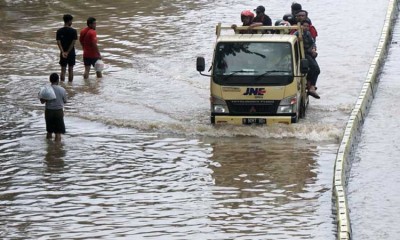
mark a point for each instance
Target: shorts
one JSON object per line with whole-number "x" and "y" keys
{"x": 54, "y": 121}
{"x": 89, "y": 61}
{"x": 70, "y": 61}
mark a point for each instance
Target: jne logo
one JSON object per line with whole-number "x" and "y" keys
{"x": 254, "y": 91}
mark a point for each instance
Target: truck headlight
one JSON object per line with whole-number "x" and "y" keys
{"x": 218, "y": 105}
{"x": 288, "y": 105}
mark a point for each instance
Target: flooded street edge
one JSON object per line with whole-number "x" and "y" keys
{"x": 355, "y": 123}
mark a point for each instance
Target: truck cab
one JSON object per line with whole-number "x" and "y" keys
{"x": 258, "y": 77}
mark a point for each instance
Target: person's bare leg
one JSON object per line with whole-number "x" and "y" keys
{"x": 99, "y": 74}
{"x": 48, "y": 135}
{"x": 70, "y": 73}
{"x": 86, "y": 74}
{"x": 57, "y": 137}
{"x": 62, "y": 75}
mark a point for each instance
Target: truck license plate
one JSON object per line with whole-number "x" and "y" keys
{"x": 254, "y": 121}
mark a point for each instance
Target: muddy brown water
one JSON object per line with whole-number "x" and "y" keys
{"x": 140, "y": 159}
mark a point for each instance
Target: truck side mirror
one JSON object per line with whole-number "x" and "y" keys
{"x": 304, "y": 66}
{"x": 200, "y": 64}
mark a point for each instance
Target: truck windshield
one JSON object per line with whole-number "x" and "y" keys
{"x": 253, "y": 62}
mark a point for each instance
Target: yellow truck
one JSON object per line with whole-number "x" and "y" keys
{"x": 257, "y": 77}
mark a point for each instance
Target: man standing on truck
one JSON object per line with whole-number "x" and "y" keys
{"x": 295, "y": 7}
{"x": 262, "y": 17}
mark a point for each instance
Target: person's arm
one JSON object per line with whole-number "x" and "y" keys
{"x": 314, "y": 52}
{"x": 97, "y": 50}
{"x": 43, "y": 100}
{"x": 64, "y": 54}
{"x": 60, "y": 45}
{"x": 256, "y": 24}
{"x": 70, "y": 47}
{"x": 267, "y": 21}
{"x": 313, "y": 48}
{"x": 96, "y": 47}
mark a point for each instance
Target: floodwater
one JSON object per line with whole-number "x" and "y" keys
{"x": 140, "y": 159}
{"x": 374, "y": 198}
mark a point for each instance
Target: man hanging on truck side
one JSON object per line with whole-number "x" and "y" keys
{"x": 303, "y": 15}
{"x": 310, "y": 50}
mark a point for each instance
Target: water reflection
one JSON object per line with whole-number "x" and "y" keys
{"x": 54, "y": 158}
{"x": 265, "y": 182}
{"x": 254, "y": 161}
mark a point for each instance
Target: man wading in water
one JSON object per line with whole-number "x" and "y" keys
{"x": 54, "y": 112}
{"x": 66, "y": 38}
{"x": 91, "y": 53}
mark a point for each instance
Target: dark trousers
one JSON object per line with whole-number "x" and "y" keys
{"x": 54, "y": 121}
{"x": 314, "y": 71}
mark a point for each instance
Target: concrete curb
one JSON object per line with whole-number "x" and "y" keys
{"x": 354, "y": 124}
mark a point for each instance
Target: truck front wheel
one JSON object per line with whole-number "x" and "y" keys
{"x": 302, "y": 109}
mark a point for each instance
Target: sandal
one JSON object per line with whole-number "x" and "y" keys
{"x": 314, "y": 94}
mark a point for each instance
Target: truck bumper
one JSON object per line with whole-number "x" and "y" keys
{"x": 259, "y": 120}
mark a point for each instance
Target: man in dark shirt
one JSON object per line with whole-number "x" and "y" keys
{"x": 311, "y": 54}
{"x": 303, "y": 15}
{"x": 66, "y": 38}
{"x": 261, "y": 17}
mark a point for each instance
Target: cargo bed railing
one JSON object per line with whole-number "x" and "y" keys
{"x": 259, "y": 29}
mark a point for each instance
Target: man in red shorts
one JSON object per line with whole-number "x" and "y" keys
{"x": 91, "y": 53}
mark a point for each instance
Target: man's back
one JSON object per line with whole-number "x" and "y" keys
{"x": 66, "y": 35}
{"x": 57, "y": 103}
{"x": 264, "y": 19}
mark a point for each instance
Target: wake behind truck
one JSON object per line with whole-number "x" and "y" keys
{"x": 257, "y": 77}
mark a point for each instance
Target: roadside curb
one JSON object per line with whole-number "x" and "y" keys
{"x": 354, "y": 125}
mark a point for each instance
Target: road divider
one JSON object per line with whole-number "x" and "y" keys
{"x": 353, "y": 128}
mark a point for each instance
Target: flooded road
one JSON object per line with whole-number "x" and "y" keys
{"x": 373, "y": 186}
{"x": 140, "y": 159}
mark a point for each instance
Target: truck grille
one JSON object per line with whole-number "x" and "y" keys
{"x": 253, "y": 107}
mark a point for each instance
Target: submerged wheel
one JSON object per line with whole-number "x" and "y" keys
{"x": 295, "y": 119}
{"x": 302, "y": 109}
